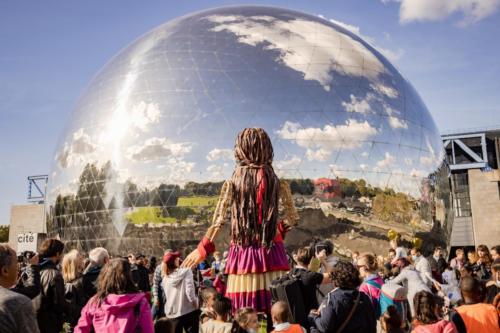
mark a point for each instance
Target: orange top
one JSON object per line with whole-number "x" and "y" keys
{"x": 294, "y": 328}
{"x": 479, "y": 317}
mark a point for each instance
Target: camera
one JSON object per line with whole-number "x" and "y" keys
{"x": 25, "y": 256}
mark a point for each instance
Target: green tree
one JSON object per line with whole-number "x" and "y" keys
{"x": 4, "y": 233}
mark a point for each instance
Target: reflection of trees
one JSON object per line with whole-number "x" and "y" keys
{"x": 390, "y": 206}
{"x": 98, "y": 194}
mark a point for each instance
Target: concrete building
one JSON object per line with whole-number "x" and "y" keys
{"x": 29, "y": 218}
{"x": 474, "y": 159}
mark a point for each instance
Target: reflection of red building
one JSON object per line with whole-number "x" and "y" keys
{"x": 326, "y": 188}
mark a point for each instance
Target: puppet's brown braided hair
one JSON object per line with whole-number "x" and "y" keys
{"x": 253, "y": 152}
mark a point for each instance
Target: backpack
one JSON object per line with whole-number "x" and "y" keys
{"x": 375, "y": 302}
{"x": 394, "y": 294}
{"x": 287, "y": 289}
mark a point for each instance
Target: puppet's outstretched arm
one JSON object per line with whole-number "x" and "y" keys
{"x": 219, "y": 216}
{"x": 290, "y": 215}
{"x": 206, "y": 246}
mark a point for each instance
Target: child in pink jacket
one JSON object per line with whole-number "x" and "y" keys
{"x": 117, "y": 307}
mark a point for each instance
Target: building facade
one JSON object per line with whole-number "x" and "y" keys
{"x": 474, "y": 159}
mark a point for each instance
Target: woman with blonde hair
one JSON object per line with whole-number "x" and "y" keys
{"x": 372, "y": 283}
{"x": 72, "y": 268}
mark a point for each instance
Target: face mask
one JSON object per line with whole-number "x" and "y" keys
{"x": 251, "y": 330}
{"x": 414, "y": 258}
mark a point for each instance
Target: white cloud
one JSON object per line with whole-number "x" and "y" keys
{"x": 352, "y": 28}
{"x": 430, "y": 159}
{"x": 318, "y": 154}
{"x": 363, "y": 166}
{"x": 359, "y": 105}
{"x": 174, "y": 171}
{"x": 220, "y": 154}
{"x": 157, "y": 148}
{"x": 435, "y": 10}
{"x": 384, "y": 90}
{"x": 301, "y": 43}
{"x": 291, "y": 163}
{"x": 392, "y": 55}
{"x": 336, "y": 170}
{"x": 365, "y": 154}
{"x": 395, "y": 122}
{"x": 417, "y": 173}
{"x": 217, "y": 171}
{"x": 76, "y": 151}
{"x": 143, "y": 114}
{"x": 386, "y": 162}
{"x": 321, "y": 142}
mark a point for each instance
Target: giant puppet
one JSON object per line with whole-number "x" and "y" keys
{"x": 254, "y": 195}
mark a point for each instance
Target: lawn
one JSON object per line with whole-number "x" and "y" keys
{"x": 197, "y": 202}
{"x": 142, "y": 215}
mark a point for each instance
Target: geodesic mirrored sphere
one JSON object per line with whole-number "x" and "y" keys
{"x": 150, "y": 142}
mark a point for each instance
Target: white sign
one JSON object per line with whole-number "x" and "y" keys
{"x": 27, "y": 242}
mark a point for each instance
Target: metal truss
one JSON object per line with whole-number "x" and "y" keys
{"x": 479, "y": 160}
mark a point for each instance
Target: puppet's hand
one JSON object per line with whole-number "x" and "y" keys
{"x": 283, "y": 228}
{"x": 193, "y": 259}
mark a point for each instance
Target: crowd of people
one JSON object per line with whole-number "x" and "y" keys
{"x": 405, "y": 291}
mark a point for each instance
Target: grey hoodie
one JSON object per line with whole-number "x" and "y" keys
{"x": 179, "y": 293}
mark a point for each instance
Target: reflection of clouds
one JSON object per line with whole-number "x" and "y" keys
{"x": 157, "y": 148}
{"x": 394, "y": 121}
{"x": 291, "y": 163}
{"x": 321, "y": 142}
{"x": 217, "y": 172}
{"x": 220, "y": 154}
{"x": 359, "y": 105}
{"x": 430, "y": 160}
{"x": 312, "y": 48}
{"x": 387, "y": 161}
{"x": 389, "y": 54}
{"x": 336, "y": 170}
{"x": 77, "y": 150}
{"x": 143, "y": 114}
{"x": 384, "y": 90}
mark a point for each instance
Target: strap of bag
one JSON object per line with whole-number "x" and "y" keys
{"x": 351, "y": 313}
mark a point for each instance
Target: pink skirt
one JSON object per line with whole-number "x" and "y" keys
{"x": 251, "y": 269}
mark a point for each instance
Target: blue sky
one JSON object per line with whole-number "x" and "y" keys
{"x": 50, "y": 51}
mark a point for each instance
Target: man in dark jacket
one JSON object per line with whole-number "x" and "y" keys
{"x": 50, "y": 304}
{"x": 16, "y": 310}
{"x": 438, "y": 263}
{"x": 140, "y": 273}
{"x": 98, "y": 258}
{"x": 345, "y": 306}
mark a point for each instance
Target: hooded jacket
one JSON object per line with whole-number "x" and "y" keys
{"x": 50, "y": 305}
{"x": 180, "y": 293}
{"x": 90, "y": 280}
{"x": 127, "y": 313}
{"x": 336, "y": 309}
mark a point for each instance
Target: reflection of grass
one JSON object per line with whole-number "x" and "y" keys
{"x": 141, "y": 215}
{"x": 197, "y": 202}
